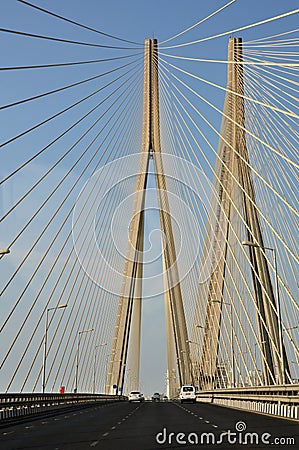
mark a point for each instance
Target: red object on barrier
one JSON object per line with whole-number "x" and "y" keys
{"x": 62, "y": 390}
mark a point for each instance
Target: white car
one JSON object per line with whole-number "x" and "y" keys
{"x": 136, "y": 396}
{"x": 187, "y": 393}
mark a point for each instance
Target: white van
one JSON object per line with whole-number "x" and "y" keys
{"x": 187, "y": 393}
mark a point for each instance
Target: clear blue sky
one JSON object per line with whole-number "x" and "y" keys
{"x": 137, "y": 19}
{"x": 132, "y": 20}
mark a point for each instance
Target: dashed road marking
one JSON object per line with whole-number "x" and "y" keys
{"x": 94, "y": 443}
{"x": 28, "y": 427}
{"x": 207, "y": 421}
{"x": 7, "y": 432}
{"x": 121, "y": 421}
{"x": 215, "y": 426}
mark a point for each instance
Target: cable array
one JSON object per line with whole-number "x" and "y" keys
{"x": 269, "y": 73}
{"x": 81, "y": 114}
{"x": 66, "y": 121}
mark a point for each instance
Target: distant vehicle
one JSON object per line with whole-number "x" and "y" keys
{"x": 165, "y": 398}
{"x": 187, "y": 393}
{"x": 156, "y": 397}
{"x": 136, "y": 396}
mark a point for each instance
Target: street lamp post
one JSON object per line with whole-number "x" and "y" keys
{"x": 192, "y": 368}
{"x": 255, "y": 344}
{"x": 200, "y": 369}
{"x": 232, "y": 340}
{"x": 77, "y": 361}
{"x": 291, "y": 339}
{"x": 95, "y": 363}
{"x": 45, "y": 343}
{"x": 128, "y": 380}
{"x": 291, "y": 328}
{"x": 184, "y": 366}
{"x": 255, "y": 356}
{"x": 295, "y": 380}
{"x": 240, "y": 377}
{"x": 4, "y": 251}
{"x": 106, "y": 374}
{"x": 209, "y": 359}
{"x": 278, "y": 308}
{"x": 232, "y": 344}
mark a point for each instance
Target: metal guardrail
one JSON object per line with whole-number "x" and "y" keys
{"x": 13, "y": 406}
{"x": 282, "y": 401}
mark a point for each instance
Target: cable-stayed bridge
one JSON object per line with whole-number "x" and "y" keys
{"x": 138, "y": 175}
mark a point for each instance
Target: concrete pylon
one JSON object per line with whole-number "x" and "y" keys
{"x": 130, "y": 300}
{"x": 233, "y": 156}
{"x": 273, "y": 351}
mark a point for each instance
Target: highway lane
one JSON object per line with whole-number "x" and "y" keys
{"x": 149, "y": 426}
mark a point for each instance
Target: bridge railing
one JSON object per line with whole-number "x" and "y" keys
{"x": 282, "y": 401}
{"x": 13, "y": 406}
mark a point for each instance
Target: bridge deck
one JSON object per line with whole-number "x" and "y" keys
{"x": 149, "y": 426}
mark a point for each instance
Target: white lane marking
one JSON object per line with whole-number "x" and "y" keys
{"x": 93, "y": 444}
{"x": 7, "y": 432}
{"x": 207, "y": 421}
{"x": 201, "y": 418}
{"x": 44, "y": 423}
{"x": 215, "y": 426}
{"x": 30, "y": 426}
{"x": 122, "y": 420}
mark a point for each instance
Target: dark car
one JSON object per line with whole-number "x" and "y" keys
{"x": 156, "y": 397}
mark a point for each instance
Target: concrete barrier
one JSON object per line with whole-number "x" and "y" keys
{"x": 14, "y": 406}
{"x": 274, "y": 407}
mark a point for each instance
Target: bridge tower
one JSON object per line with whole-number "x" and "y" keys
{"x": 234, "y": 174}
{"x": 127, "y": 326}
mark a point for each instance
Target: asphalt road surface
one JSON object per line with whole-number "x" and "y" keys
{"x": 149, "y": 426}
